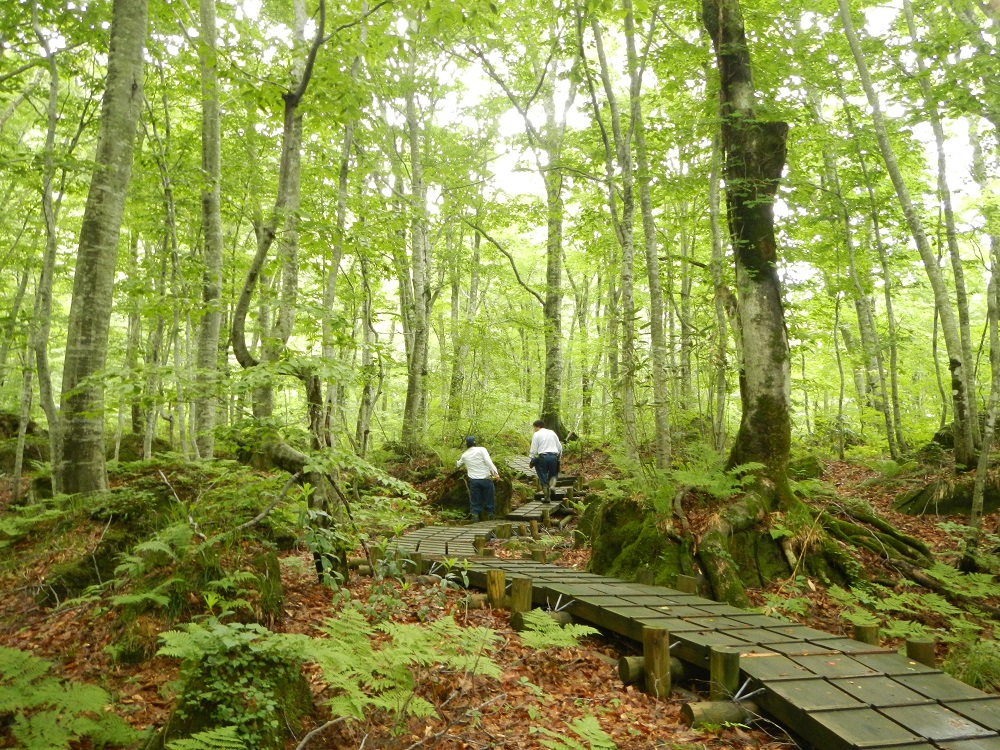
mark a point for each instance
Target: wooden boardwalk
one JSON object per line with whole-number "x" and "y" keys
{"x": 831, "y": 692}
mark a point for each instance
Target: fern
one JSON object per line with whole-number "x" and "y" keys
{"x": 49, "y": 713}
{"x": 715, "y": 481}
{"x": 587, "y": 728}
{"x": 542, "y": 632}
{"x": 222, "y": 738}
{"x": 367, "y": 679}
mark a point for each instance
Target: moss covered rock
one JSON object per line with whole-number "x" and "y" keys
{"x": 627, "y": 544}
{"x": 808, "y": 466}
{"x": 36, "y": 449}
{"x": 948, "y": 496}
{"x": 130, "y": 448}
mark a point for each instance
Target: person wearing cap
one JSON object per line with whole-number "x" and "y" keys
{"x": 482, "y": 472}
{"x": 544, "y": 456}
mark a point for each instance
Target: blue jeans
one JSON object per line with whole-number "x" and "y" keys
{"x": 547, "y": 467}
{"x": 482, "y": 496}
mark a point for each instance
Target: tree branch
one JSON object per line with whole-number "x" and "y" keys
{"x": 510, "y": 257}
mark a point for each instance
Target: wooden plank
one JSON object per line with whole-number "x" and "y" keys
{"x": 936, "y": 723}
{"x": 985, "y": 711}
{"x": 852, "y": 729}
{"x": 838, "y": 665}
{"x": 879, "y": 691}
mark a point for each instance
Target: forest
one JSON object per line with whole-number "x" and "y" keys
{"x": 265, "y": 265}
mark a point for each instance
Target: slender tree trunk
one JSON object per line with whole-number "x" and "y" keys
{"x": 330, "y": 285}
{"x": 80, "y": 464}
{"x": 932, "y": 109}
{"x": 618, "y": 152}
{"x": 416, "y": 380}
{"x": 11, "y": 327}
{"x": 840, "y": 370}
{"x": 721, "y": 291}
{"x": 657, "y": 335}
{"x": 961, "y": 397}
{"x": 206, "y": 402}
{"x": 871, "y": 349}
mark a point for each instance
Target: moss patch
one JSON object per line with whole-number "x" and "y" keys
{"x": 627, "y": 544}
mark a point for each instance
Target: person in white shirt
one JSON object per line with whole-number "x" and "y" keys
{"x": 482, "y": 472}
{"x": 544, "y": 456}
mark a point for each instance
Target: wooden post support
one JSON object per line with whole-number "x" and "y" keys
{"x": 496, "y": 586}
{"x": 724, "y": 673}
{"x": 376, "y": 554}
{"x": 687, "y": 584}
{"x": 632, "y": 669}
{"x": 865, "y": 633}
{"x": 417, "y": 562}
{"x": 564, "y": 522}
{"x": 538, "y": 555}
{"x": 546, "y": 517}
{"x": 522, "y": 530}
{"x": 364, "y": 570}
{"x": 534, "y": 529}
{"x": 353, "y": 563}
{"x": 656, "y": 653}
{"x": 503, "y": 531}
{"x": 921, "y": 650}
{"x": 520, "y": 595}
{"x": 476, "y": 601}
{"x": 718, "y": 713}
{"x": 479, "y": 543}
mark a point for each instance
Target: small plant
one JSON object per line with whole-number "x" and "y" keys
{"x": 542, "y": 632}
{"x": 49, "y": 713}
{"x": 223, "y": 738}
{"x": 975, "y": 662}
{"x": 587, "y": 728}
{"x": 239, "y": 675}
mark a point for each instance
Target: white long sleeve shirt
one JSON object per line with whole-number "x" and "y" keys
{"x": 478, "y": 463}
{"x": 544, "y": 441}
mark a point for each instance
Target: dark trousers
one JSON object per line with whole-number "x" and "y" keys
{"x": 547, "y": 467}
{"x": 482, "y": 496}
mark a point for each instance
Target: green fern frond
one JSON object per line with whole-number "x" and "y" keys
{"x": 222, "y": 738}
{"x": 542, "y": 632}
{"x": 587, "y": 728}
{"x": 50, "y": 714}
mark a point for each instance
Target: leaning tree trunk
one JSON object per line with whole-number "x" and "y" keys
{"x": 81, "y": 463}
{"x": 961, "y": 398}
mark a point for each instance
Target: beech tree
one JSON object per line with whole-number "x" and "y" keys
{"x": 79, "y": 465}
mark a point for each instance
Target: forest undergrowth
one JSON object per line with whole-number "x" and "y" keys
{"x": 556, "y": 695}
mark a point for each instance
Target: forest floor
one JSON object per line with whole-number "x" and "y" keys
{"x": 531, "y": 705}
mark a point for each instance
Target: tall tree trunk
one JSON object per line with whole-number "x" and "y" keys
{"x": 657, "y": 335}
{"x": 933, "y": 112}
{"x": 721, "y": 293}
{"x": 871, "y": 349}
{"x": 416, "y": 376}
{"x": 618, "y": 158}
{"x": 754, "y": 159}
{"x": 961, "y": 397}
{"x": 330, "y": 284}
{"x": 80, "y": 464}
{"x": 206, "y": 402}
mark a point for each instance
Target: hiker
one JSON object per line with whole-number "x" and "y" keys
{"x": 543, "y": 457}
{"x": 482, "y": 472}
